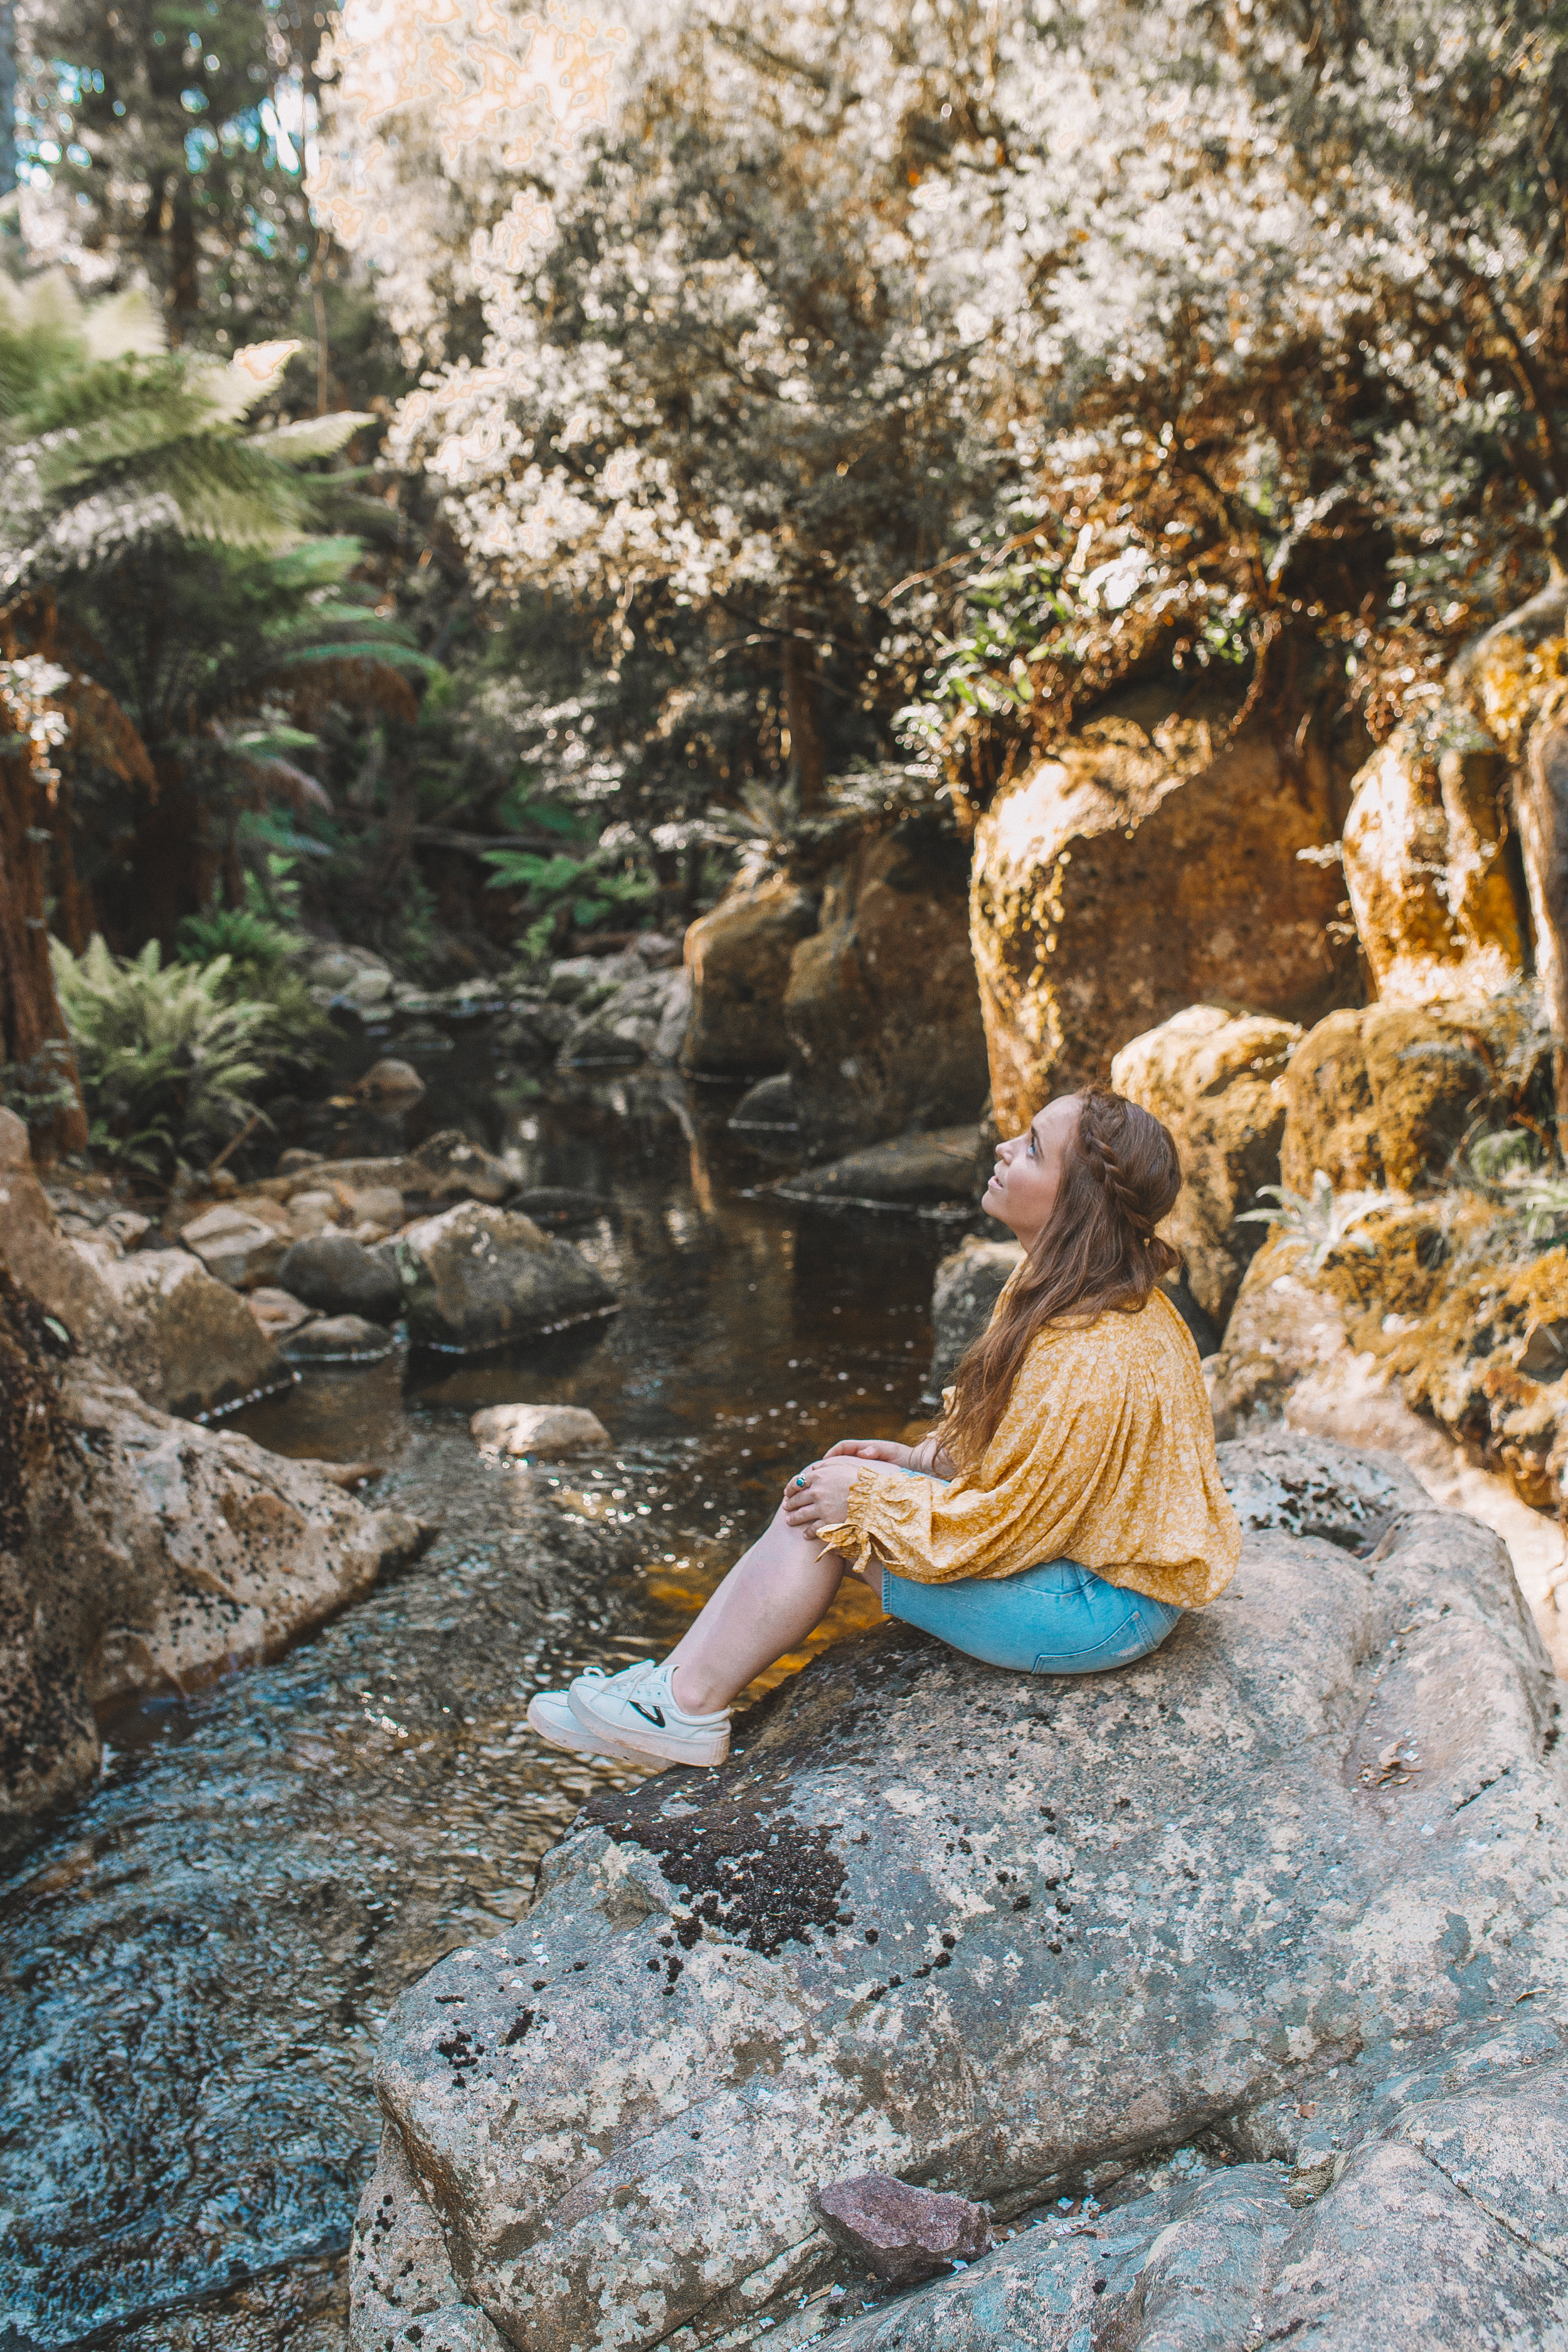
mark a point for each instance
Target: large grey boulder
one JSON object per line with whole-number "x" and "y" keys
{"x": 475, "y": 1278}
{"x": 141, "y": 1555}
{"x": 1284, "y": 1883}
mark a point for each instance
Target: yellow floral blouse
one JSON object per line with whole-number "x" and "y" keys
{"x": 1105, "y": 1455}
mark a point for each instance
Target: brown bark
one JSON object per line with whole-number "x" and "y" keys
{"x": 34, "y": 1039}
{"x": 169, "y": 856}
{"x": 800, "y": 702}
{"x": 184, "y": 295}
{"x": 1541, "y": 803}
{"x": 76, "y": 919}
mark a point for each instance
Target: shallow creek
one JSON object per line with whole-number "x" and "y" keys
{"x": 196, "y": 1964}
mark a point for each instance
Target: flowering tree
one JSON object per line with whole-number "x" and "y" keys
{"x": 732, "y": 389}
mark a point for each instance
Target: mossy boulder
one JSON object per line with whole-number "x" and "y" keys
{"x": 1386, "y": 1095}
{"x": 1150, "y": 861}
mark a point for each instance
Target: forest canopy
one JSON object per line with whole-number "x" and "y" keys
{"x": 740, "y": 404}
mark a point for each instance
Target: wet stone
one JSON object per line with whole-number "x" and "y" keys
{"x": 339, "y": 1275}
{"x": 338, "y": 1340}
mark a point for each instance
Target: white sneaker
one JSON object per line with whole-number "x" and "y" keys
{"x": 549, "y": 1714}
{"x": 636, "y": 1712}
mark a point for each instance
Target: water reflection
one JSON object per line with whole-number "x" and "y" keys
{"x": 195, "y": 1965}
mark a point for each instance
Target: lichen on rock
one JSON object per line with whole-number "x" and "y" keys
{"x": 1014, "y": 1932}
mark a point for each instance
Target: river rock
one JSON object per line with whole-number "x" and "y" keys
{"x": 338, "y": 1340}
{"x": 139, "y": 1556}
{"x": 1182, "y": 2270}
{"x": 1000, "y": 1935}
{"x": 340, "y": 1276}
{"x": 559, "y": 1205}
{"x": 644, "y": 1018}
{"x": 234, "y": 1247}
{"x": 390, "y": 1077}
{"x": 1386, "y": 1096}
{"x": 768, "y": 1105}
{"x": 882, "y": 1008}
{"x": 475, "y": 1278}
{"x": 549, "y": 1431}
{"x": 1216, "y": 1079}
{"x": 912, "y": 1171}
{"x": 1427, "y": 870}
{"x": 157, "y": 1319}
{"x": 277, "y": 1313}
{"x": 739, "y": 961}
{"x": 898, "y": 2231}
{"x": 1149, "y": 863}
{"x": 968, "y": 1285}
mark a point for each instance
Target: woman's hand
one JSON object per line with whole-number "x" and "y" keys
{"x": 872, "y": 1449}
{"x": 818, "y": 1496}
{"x": 927, "y": 1459}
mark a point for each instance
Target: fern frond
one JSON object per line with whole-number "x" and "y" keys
{"x": 315, "y": 436}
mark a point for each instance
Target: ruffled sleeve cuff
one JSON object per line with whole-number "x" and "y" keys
{"x": 857, "y": 1537}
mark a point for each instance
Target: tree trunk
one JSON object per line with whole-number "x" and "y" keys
{"x": 169, "y": 860}
{"x": 800, "y": 702}
{"x": 40, "y": 1067}
{"x": 185, "y": 292}
{"x": 1541, "y": 803}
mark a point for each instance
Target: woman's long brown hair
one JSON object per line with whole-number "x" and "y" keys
{"x": 1098, "y": 1251}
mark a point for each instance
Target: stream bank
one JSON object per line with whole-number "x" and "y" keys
{"x": 196, "y": 1963}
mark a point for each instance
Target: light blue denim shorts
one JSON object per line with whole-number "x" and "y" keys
{"x": 1058, "y": 1619}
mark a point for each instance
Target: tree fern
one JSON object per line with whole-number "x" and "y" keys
{"x": 106, "y": 437}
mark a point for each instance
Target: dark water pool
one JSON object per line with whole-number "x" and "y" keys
{"x": 196, "y": 1964}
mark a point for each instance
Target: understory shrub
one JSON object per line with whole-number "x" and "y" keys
{"x": 171, "y": 1056}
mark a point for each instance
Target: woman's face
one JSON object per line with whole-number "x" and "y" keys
{"x": 1028, "y": 1175}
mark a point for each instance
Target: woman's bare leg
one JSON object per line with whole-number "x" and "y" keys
{"x": 767, "y": 1604}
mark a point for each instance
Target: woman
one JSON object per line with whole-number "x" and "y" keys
{"x": 1077, "y": 1434}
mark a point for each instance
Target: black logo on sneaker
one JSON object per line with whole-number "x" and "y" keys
{"x": 654, "y": 1715}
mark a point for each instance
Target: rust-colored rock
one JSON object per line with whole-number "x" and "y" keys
{"x": 882, "y": 1008}
{"x": 1217, "y": 1081}
{"x": 1426, "y": 873}
{"x": 739, "y": 960}
{"x": 901, "y": 2232}
{"x": 1148, "y": 864}
{"x": 1386, "y": 1096}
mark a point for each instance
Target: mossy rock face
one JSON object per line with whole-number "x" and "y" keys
{"x": 1426, "y": 868}
{"x": 1396, "y": 1262}
{"x": 1488, "y": 1364}
{"x": 1387, "y": 1095}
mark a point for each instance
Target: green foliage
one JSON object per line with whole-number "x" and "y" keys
{"x": 1033, "y": 628}
{"x": 169, "y": 1062}
{"x": 586, "y": 889}
{"x": 265, "y": 966}
{"x": 1320, "y": 1221}
{"x": 1509, "y": 1153}
{"x": 165, "y": 133}
{"x": 107, "y": 439}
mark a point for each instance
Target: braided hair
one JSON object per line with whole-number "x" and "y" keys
{"x": 1100, "y": 1253}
